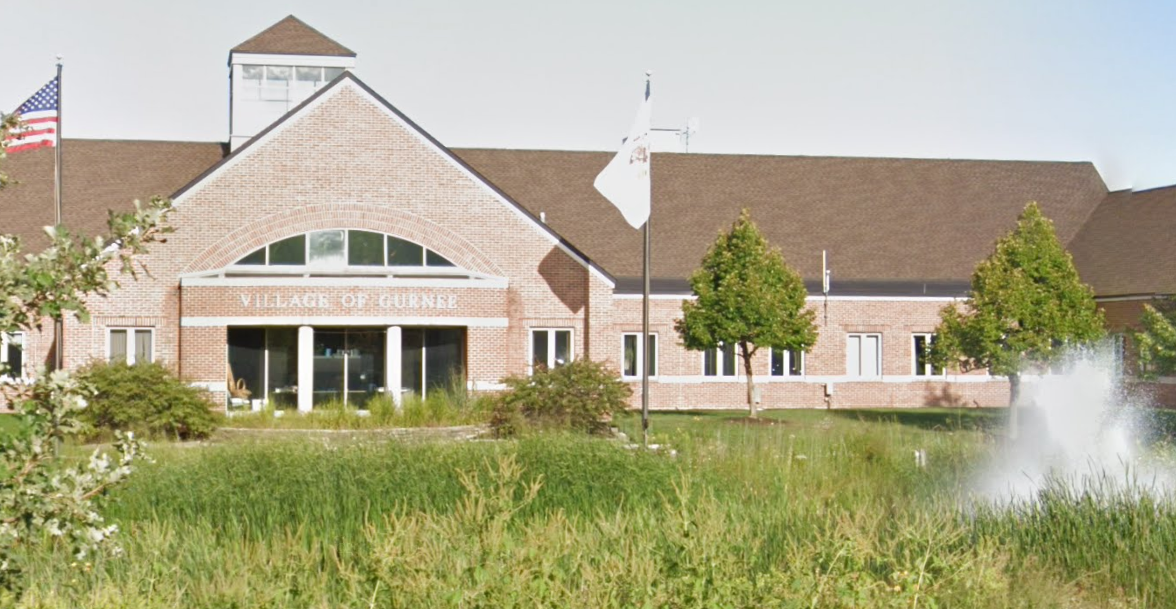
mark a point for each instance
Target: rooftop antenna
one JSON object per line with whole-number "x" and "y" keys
{"x": 683, "y": 133}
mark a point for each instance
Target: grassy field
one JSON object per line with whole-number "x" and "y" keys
{"x": 804, "y": 509}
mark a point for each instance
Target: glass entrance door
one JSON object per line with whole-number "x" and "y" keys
{"x": 348, "y": 365}
{"x": 432, "y": 359}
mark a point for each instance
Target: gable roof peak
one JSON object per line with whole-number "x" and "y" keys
{"x": 292, "y": 36}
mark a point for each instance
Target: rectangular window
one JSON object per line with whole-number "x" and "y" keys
{"x": 365, "y": 248}
{"x": 132, "y": 345}
{"x": 550, "y": 348}
{"x": 277, "y": 73}
{"x": 719, "y": 361}
{"x": 252, "y": 72}
{"x": 921, "y": 345}
{"x": 863, "y": 355}
{"x": 788, "y": 362}
{"x": 308, "y": 74}
{"x": 633, "y": 357}
{"x": 404, "y": 253}
{"x": 12, "y": 355}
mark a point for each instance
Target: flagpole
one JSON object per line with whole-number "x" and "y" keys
{"x": 58, "y": 329}
{"x": 645, "y": 299}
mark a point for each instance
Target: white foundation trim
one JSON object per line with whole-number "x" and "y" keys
{"x": 809, "y": 298}
{"x": 835, "y": 379}
{"x": 486, "y": 386}
{"x": 358, "y": 320}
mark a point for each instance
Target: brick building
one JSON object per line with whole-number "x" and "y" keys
{"x": 333, "y": 250}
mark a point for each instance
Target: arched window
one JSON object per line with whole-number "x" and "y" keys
{"x": 346, "y": 251}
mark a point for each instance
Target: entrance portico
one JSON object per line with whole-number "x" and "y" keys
{"x": 309, "y": 366}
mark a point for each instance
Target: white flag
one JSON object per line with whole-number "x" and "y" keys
{"x": 625, "y": 180}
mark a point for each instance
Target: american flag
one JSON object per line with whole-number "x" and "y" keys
{"x": 39, "y": 115}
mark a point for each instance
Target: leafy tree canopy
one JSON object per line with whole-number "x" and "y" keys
{"x": 1026, "y": 302}
{"x": 746, "y": 295}
{"x": 1156, "y": 341}
{"x": 44, "y": 500}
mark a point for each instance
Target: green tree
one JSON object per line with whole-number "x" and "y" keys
{"x": 747, "y": 296}
{"x": 1026, "y": 303}
{"x": 44, "y": 499}
{"x": 1155, "y": 343}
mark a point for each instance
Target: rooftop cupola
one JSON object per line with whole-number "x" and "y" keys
{"x": 276, "y": 70}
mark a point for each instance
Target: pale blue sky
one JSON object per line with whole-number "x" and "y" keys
{"x": 991, "y": 79}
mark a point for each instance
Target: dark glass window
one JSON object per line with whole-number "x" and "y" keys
{"x": 434, "y": 259}
{"x": 539, "y": 348}
{"x": 790, "y": 363}
{"x": 923, "y": 365}
{"x": 728, "y": 360}
{"x": 404, "y": 253}
{"x": 257, "y": 257}
{"x": 365, "y": 248}
{"x": 630, "y": 355}
{"x": 290, "y": 251}
{"x": 14, "y": 355}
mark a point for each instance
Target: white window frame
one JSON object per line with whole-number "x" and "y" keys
{"x": 861, "y": 374}
{"x": 929, "y": 368}
{"x": 5, "y": 340}
{"x": 787, "y": 363}
{"x": 719, "y": 363}
{"x": 550, "y": 346}
{"x": 640, "y": 355}
{"x": 130, "y": 336}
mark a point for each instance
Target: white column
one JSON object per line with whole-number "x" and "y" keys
{"x": 305, "y": 368}
{"x": 392, "y": 352}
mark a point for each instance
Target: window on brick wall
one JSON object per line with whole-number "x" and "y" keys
{"x": 550, "y": 347}
{"x": 633, "y": 357}
{"x": 921, "y": 345}
{"x": 345, "y": 251}
{"x": 787, "y": 362}
{"x": 12, "y": 356}
{"x": 719, "y": 361}
{"x": 863, "y": 355}
{"x": 131, "y": 345}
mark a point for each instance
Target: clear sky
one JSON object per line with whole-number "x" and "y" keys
{"x": 990, "y": 79}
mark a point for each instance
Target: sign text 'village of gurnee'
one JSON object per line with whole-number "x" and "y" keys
{"x": 318, "y": 300}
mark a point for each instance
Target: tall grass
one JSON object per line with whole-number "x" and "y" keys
{"x": 815, "y": 511}
{"x": 440, "y": 408}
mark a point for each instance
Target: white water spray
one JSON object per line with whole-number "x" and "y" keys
{"x": 1079, "y": 429}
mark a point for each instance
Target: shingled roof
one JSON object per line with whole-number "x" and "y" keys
{"x": 881, "y": 220}
{"x": 889, "y": 225}
{"x": 291, "y": 36}
{"x": 1126, "y": 246}
{"x": 98, "y": 175}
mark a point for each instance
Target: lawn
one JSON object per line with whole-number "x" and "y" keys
{"x": 803, "y": 509}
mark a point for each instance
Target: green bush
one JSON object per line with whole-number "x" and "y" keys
{"x": 583, "y": 395}
{"x": 148, "y": 399}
